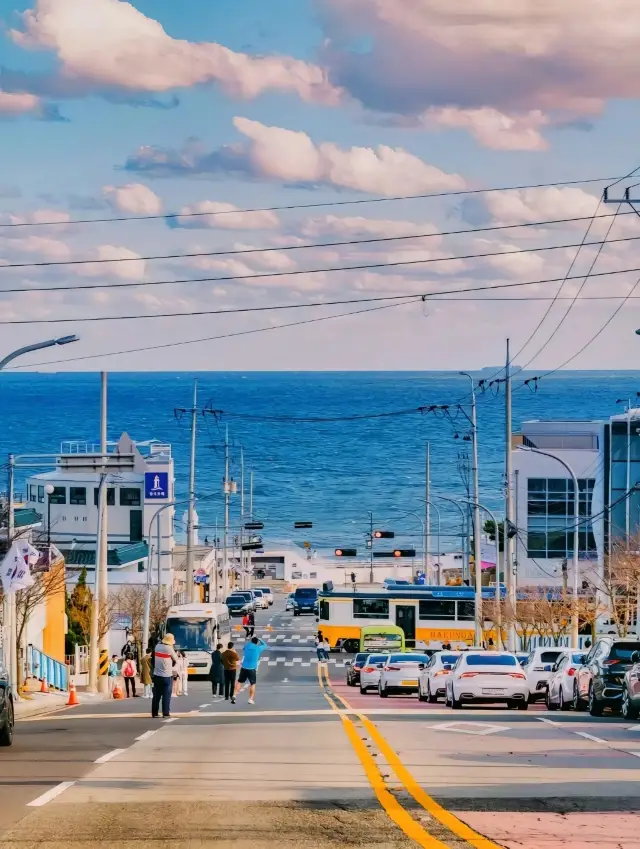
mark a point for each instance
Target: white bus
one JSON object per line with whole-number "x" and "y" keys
{"x": 197, "y": 629}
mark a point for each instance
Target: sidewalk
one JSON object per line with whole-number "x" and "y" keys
{"x": 43, "y": 703}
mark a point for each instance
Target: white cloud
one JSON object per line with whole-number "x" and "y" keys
{"x": 111, "y": 44}
{"x": 36, "y": 216}
{"x": 224, "y": 216}
{"x": 356, "y": 226}
{"x": 528, "y": 205}
{"x": 492, "y": 128}
{"x": 131, "y": 270}
{"x": 41, "y": 246}
{"x": 134, "y": 198}
{"x": 19, "y": 103}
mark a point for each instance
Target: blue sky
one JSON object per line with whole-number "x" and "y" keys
{"x": 114, "y": 109}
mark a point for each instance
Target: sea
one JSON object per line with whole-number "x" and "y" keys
{"x": 338, "y": 449}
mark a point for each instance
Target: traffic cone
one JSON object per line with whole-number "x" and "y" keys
{"x": 269, "y": 628}
{"x": 73, "y": 696}
{"x": 237, "y": 628}
{"x": 117, "y": 692}
{"x": 43, "y": 686}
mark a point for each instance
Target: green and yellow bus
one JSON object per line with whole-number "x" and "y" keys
{"x": 382, "y": 638}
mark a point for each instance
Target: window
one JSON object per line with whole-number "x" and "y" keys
{"x": 370, "y": 608}
{"x": 435, "y": 608}
{"x": 59, "y": 495}
{"x": 489, "y": 659}
{"x": 32, "y": 492}
{"x": 111, "y": 497}
{"x": 77, "y": 495}
{"x": 41, "y": 494}
{"x": 324, "y": 611}
{"x": 466, "y": 610}
{"x": 551, "y": 510}
{"x": 129, "y": 497}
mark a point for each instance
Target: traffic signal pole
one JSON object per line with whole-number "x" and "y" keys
{"x": 370, "y": 548}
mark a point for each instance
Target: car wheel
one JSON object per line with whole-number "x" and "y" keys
{"x": 350, "y": 683}
{"x": 6, "y": 732}
{"x": 629, "y": 710}
{"x": 433, "y": 698}
{"x": 363, "y": 690}
{"x": 577, "y": 703}
{"x": 596, "y": 707}
{"x": 562, "y": 704}
{"x": 456, "y": 704}
{"x": 522, "y": 704}
{"x": 421, "y": 696}
{"x": 550, "y": 705}
{"x": 382, "y": 693}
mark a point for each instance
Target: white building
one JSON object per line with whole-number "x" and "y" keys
{"x": 139, "y": 482}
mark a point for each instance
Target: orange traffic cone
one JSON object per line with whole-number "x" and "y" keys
{"x": 269, "y": 628}
{"x": 43, "y": 686}
{"x": 237, "y": 627}
{"x": 73, "y": 696}
{"x": 117, "y": 692}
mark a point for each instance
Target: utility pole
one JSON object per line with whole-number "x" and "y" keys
{"x": 371, "y": 548}
{"x": 244, "y": 580}
{"x": 427, "y": 515}
{"x": 475, "y": 484}
{"x": 10, "y": 598}
{"x": 102, "y": 577}
{"x": 509, "y": 576}
{"x": 227, "y": 492}
{"x": 190, "y": 588}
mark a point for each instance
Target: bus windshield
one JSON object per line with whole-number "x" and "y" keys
{"x": 192, "y": 634}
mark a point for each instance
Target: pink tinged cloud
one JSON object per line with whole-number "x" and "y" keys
{"x": 19, "y": 103}
{"x": 134, "y": 198}
{"x": 208, "y": 214}
{"x": 109, "y": 43}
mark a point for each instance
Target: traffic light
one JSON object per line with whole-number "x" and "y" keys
{"x": 404, "y": 552}
{"x": 253, "y": 526}
{"x": 383, "y": 534}
{"x": 346, "y": 552}
{"x": 303, "y": 524}
{"x": 252, "y": 546}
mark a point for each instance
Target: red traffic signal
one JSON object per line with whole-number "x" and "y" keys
{"x": 383, "y": 534}
{"x": 346, "y": 552}
{"x": 404, "y": 552}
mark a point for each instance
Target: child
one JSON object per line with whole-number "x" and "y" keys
{"x": 112, "y": 673}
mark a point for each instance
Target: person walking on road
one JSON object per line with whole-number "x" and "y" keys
{"x": 353, "y": 581}
{"x": 184, "y": 674}
{"x": 216, "y": 674}
{"x": 129, "y": 672}
{"x": 252, "y": 624}
{"x": 145, "y": 674}
{"x": 320, "y": 646}
{"x": 246, "y": 625}
{"x": 112, "y": 673}
{"x": 249, "y": 669}
{"x": 230, "y": 660}
{"x": 164, "y": 660}
{"x": 326, "y": 648}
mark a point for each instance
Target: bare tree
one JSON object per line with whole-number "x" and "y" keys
{"x": 618, "y": 587}
{"x": 130, "y": 601}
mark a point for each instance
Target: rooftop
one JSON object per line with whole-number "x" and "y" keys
{"x": 119, "y": 556}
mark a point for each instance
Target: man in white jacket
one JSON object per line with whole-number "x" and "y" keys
{"x": 164, "y": 661}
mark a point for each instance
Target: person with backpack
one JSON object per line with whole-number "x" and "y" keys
{"x": 112, "y": 673}
{"x": 129, "y": 673}
{"x": 246, "y": 625}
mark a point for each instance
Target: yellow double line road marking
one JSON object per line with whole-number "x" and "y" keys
{"x": 388, "y": 801}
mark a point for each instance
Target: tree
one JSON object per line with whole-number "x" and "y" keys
{"x": 78, "y": 607}
{"x": 130, "y": 601}
{"x": 618, "y": 587}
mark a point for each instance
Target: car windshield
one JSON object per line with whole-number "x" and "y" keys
{"x": 489, "y": 659}
{"x": 623, "y": 651}
{"x": 234, "y": 600}
{"x": 377, "y": 658}
{"x": 449, "y": 658}
{"x": 306, "y": 593}
{"x": 258, "y": 593}
{"x": 408, "y": 658}
{"x": 360, "y": 658}
{"x": 550, "y": 656}
{"x": 577, "y": 657}
{"x": 245, "y": 596}
{"x": 264, "y": 590}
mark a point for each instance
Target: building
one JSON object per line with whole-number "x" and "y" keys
{"x": 139, "y": 483}
{"x": 605, "y": 457}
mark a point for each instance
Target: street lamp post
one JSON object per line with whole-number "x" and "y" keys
{"x": 463, "y": 516}
{"x": 437, "y": 509}
{"x": 576, "y": 496}
{"x": 49, "y": 489}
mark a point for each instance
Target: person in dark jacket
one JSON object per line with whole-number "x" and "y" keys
{"x": 252, "y": 624}
{"x": 216, "y": 674}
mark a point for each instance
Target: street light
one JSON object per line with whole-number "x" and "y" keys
{"x": 574, "y": 605}
{"x": 49, "y": 489}
{"x": 50, "y": 343}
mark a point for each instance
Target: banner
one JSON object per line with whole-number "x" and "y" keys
{"x": 15, "y": 569}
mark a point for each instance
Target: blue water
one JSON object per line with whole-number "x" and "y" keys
{"x": 330, "y": 473}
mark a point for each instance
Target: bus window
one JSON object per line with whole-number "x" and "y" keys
{"x": 466, "y": 610}
{"x": 324, "y": 611}
{"x": 435, "y": 608}
{"x": 370, "y": 608}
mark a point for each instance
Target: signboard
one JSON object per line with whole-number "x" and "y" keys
{"x": 156, "y": 486}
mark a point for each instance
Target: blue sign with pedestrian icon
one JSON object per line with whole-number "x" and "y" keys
{"x": 156, "y": 486}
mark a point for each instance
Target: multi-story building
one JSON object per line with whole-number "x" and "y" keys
{"x": 605, "y": 458}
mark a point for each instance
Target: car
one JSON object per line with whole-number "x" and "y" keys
{"x": 487, "y": 677}
{"x": 599, "y": 681}
{"x": 522, "y": 657}
{"x": 249, "y": 598}
{"x": 305, "y": 600}
{"x": 238, "y": 605}
{"x": 353, "y": 669}
{"x": 267, "y": 593}
{"x": 7, "y": 715}
{"x": 260, "y": 599}
{"x": 400, "y": 673}
{"x": 538, "y": 668}
{"x": 432, "y": 680}
{"x": 370, "y": 672}
{"x": 631, "y": 689}
{"x": 560, "y": 682}
{"x": 289, "y": 602}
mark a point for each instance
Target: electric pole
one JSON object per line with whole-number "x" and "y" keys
{"x": 508, "y": 561}
{"x": 227, "y": 492}
{"x": 190, "y": 589}
{"x": 102, "y": 571}
{"x": 427, "y": 515}
{"x": 475, "y": 485}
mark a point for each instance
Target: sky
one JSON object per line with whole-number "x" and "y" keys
{"x": 145, "y": 145}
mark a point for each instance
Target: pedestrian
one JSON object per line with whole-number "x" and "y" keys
{"x": 206, "y": 540}
{"x": 216, "y": 673}
{"x": 326, "y": 648}
{"x": 252, "y": 624}
{"x": 112, "y": 673}
{"x": 145, "y": 673}
{"x": 353, "y": 580}
{"x": 184, "y": 672}
{"x": 129, "y": 648}
{"x": 164, "y": 660}
{"x": 245, "y": 625}
{"x": 230, "y": 660}
{"x": 176, "y": 687}
{"x": 491, "y": 645}
{"x": 129, "y": 672}
{"x": 249, "y": 669}
{"x": 320, "y": 646}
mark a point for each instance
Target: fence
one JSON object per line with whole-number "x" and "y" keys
{"x": 41, "y": 666}
{"x": 78, "y": 662}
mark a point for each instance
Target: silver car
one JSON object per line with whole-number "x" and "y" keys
{"x": 400, "y": 673}
{"x": 432, "y": 681}
{"x": 370, "y": 672}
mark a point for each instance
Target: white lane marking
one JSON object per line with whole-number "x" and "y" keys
{"x": 148, "y": 734}
{"x": 634, "y": 728}
{"x": 285, "y": 680}
{"x": 207, "y": 705}
{"x": 548, "y": 721}
{"x": 477, "y": 728}
{"x": 171, "y": 719}
{"x": 590, "y": 737}
{"x": 50, "y": 794}
{"x": 113, "y": 754}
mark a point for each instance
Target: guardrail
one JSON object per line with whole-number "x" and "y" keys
{"x": 41, "y": 666}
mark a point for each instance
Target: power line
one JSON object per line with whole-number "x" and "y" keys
{"x": 315, "y": 205}
{"x": 210, "y": 338}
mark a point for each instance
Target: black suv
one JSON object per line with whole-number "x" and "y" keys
{"x": 6, "y": 708}
{"x": 353, "y": 669}
{"x": 601, "y": 676}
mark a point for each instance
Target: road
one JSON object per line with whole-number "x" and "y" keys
{"x": 314, "y": 764}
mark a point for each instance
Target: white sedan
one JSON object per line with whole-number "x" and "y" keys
{"x": 370, "y": 672}
{"x": 487, "y": 677}
{"x": 400, "y": 673}
{"x": 538, "y": 668}
{"x": 432, "y": 681}
{"x": 561, "y": 680}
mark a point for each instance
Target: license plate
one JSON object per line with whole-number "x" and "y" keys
{"x": 191, "y": 670}
{"x": 411, "y": 683}
{"x": 492, "y": 691}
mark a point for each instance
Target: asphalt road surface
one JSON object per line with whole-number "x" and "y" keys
{"x": 314, "y": 764}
